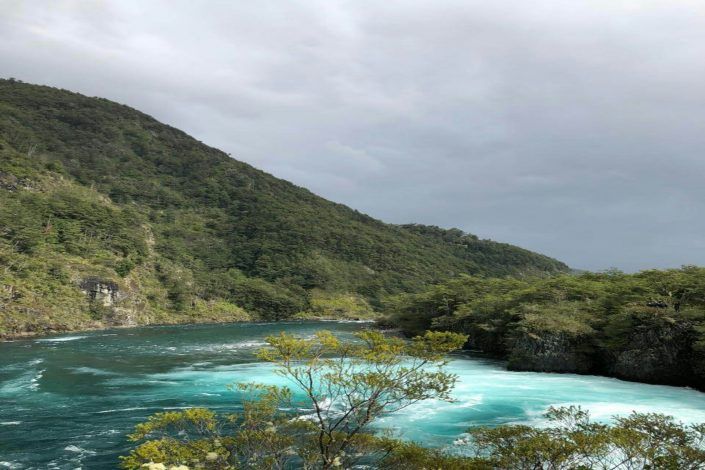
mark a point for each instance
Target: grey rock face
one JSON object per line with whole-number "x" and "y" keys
{"x": 111, "y": 300}
{"x": 12, "y": 183}
{"x": 548, "y": 352}
{"x": 105, "y": 293}
{"x": 656, "y": 355}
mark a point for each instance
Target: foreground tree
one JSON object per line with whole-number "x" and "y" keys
{"x": 347, "y": 385}
{"x": 263, "y": 437}
{"x": 639, "y": 441}
{"x": 350, "y": 384}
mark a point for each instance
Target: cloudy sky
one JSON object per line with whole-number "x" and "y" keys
{"x": 573, "y": 128}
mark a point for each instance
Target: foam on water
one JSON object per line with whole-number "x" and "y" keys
{"x": 212, "y": 348}
{"x": 34, "y": 382}
{"x": 10, "y": 465}
{"x": 78, "y": 450}
{"x": 349, "y": 321}
{"x": 72, "y": 402}
{"x": 27, "y": 381}
{"x": 92, "y": 371}
{"x": 59, "y": 339}
{"x": 487, "y": 395}
{"x": 121, "y": 410}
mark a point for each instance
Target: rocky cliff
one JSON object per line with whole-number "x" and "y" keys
{"x": 660, "y": 353}
{"x": 550, "y": 352}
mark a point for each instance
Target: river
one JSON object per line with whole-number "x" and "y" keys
{"x": 67, "y": 401}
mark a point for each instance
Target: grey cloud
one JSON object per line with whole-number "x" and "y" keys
{"x": 575, "y": 129}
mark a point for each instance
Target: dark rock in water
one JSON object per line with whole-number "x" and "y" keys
{"x": 550, "y": 352}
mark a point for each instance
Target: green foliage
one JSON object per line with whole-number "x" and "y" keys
{"x": 324, "y": 305}
{"x": 412, "y": 456}
{"x": 351, "y": 384}
{"x": 189, "y": 437}
{"x": 270, "y": 301}
{"x": 571, "y": 442}
{"x": 639, "y": 441}
{"x": 259, "y": 437}
{"x": 347, "y": 385}
{"x": 87, "y": 179}
{"x": 647, "y": 326}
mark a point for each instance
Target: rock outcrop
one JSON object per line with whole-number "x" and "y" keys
{"x": 659, "y": 354}
{"x": 107, "y": 302}
{"x": 550, "y": 352}
{"x": 101, "y": 292}
{"x": 12, "y": 183}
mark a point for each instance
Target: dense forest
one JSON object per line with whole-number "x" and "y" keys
{"x": 648, "y": 327}
{"x": 108, "y": 217}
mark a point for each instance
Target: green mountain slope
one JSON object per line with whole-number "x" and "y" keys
{"x": 110, "y": 217}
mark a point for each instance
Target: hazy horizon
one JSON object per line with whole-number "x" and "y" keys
{"x": 574, "y": 130}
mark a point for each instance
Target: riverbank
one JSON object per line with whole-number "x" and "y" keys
{"x": 205, "y": 321}
{"x": 531, "y": 361}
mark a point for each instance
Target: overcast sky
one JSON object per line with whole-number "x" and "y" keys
{"x": 573, "y": 128}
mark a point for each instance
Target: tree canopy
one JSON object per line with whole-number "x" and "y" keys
{"x": 648, "y": 326}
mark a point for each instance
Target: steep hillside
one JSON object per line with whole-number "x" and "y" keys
{"x": 110, "y": 217}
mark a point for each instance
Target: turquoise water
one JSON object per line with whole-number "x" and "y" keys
{"x": 66, "y": 402}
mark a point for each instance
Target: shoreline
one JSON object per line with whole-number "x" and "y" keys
{"x": 35, "y": 335}
{"x": 7, "y": 338}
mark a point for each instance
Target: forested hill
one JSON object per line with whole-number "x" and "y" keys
{"x": 110, "y": 217}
